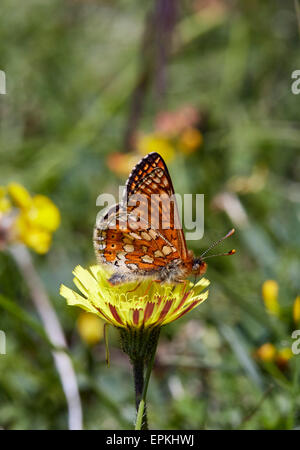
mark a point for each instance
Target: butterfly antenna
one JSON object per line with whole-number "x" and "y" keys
{"x": 232, "y": 252}
{"x": 230, "y": 233}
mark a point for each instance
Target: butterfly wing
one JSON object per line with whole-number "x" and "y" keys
{"x": 120, "y": 243}
{"x": 150, "y": 180}
{"x": 140, "y": 237}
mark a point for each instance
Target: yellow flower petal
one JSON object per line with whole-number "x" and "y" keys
{"x": 74, "y": 299}
{"x": 270, "y": 296}
{"x": 19, "y": 195}
{"x": 38, "y": 240}
{"x": 90, "y": 328}
{"x": 44, "y": 213}
{"x": 296, "y": 310}
{"x": 37, "y": 218}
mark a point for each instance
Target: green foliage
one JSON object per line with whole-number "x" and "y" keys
{"x": 71, "y": 67}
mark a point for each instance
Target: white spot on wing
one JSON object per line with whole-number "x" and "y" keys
{"x": 128, "y": 248}
{"x": 166, "y": 250}
{"x": 147, "y": 259}
{"x": 145, "y": 236}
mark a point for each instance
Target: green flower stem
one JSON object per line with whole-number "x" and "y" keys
{"x": 138, "y": 374}
{"x": 140, "y": 345}
{"x": 141, "y": 419}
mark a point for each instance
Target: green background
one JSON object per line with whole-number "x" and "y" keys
{"x": 71, "y": 69}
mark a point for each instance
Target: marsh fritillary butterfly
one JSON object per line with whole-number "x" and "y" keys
{"x": 142, "y": 236}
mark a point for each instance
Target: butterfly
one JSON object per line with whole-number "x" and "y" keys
{"x": 142, "y": 236}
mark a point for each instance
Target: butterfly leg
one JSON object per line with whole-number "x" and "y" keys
{"x": 149, "y": 286}
{"x": 138, "y": 285}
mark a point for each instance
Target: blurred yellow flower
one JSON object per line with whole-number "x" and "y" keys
{"x": 190, "y": 140}
{"x": 296, "y": 310}
{"x": 35, "y": 220}
{"x": 148, "y": 143}
{"x": 90, "y": 328}
{"x": 122, "y": 163}
{"x": 283, "y": 356}
{"x": 270, "y": 296}
{"x": 266, "y": 352}
{"x": 37, "y": 239}
{"x": 19, "y": 195}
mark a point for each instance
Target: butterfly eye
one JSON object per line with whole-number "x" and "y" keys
{"x": 113, "y": 245}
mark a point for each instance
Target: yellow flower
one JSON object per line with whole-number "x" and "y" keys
{"x": 296, "y": 310}
{"x": 36, "y": 238}
{"x": 190, "y": 140}
{"x": 155, "y": 143}
{"x": 270, "y": 296}
{"x": 38, "y": 218}
{"x": 133, "y": 305}
{"x": 138, "y": 310}
{"x": 90, "y": 328}
{"x": 266, "y": 352}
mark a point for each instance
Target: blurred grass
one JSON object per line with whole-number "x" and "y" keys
{"x": 71, "y": 68}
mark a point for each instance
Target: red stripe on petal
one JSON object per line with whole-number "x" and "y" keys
{"x": 159, "y": 301}
{"x": 136, "y": 315}
{"x": 165, "y": 310}
{"x": 188, "y": 309}
{"x": 148, "y": 311}
{"x": 115, "y": 314}
{"x": 182, "y": 301}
